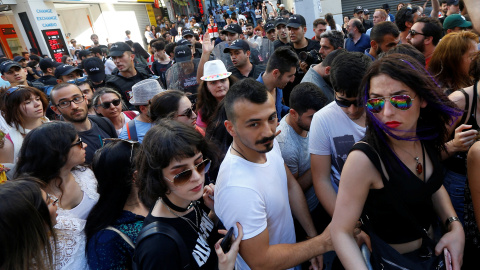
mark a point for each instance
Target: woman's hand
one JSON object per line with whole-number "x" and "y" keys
{"x": 227, "y": 261}
{"x": 464, "y": 139}
{"x": 454, "y": 241}
{"x": 208, "y": 193}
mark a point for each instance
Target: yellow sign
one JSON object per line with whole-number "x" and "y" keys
{"x": 151, "y": 15}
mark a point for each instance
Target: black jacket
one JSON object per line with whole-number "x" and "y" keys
{"x": 47, "y": 80}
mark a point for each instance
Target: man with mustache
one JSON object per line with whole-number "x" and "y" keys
{"x": 383, "y": 37}
{"x": 255, "y": 188}
{"x": 68, "y": 101}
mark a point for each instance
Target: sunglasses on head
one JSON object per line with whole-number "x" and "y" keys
{"x": 13, "y": 89}
{"x": 401, "y": 102}
{"x": 132, "y": 143}
{"x": 107, "y": 104}
{"x": 346, "y": 103}
{"x": 183, "y": 177}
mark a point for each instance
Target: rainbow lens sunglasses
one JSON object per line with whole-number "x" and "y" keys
{"x": 401, "y": 102}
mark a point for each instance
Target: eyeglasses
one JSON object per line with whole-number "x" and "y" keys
{"x": 188, "y": 113}
{"x": 75, "y": 81}
{"x": 401, "y": 102}
{"x": 67, "y": 103}
{"x": 413, "y": 33}
{"x": 132, "y": 143}
{"x": 107, "y": 104}
{"x": 79, "y": 142}
{"x": 183, "y": 177}
{"x": 347, "y": 103}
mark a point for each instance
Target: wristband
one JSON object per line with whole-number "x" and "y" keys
{"x": 450, "y": 220}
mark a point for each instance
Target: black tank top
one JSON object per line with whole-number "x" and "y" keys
{"x": 457, "y": 162}
{"x": 416, "y": 194}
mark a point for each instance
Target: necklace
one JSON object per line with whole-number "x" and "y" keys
{"x": 239, "y": 153}
{"x": 193, "y": 225}
{"x": 175, "y": 207}
{"x": 419, "y": 166}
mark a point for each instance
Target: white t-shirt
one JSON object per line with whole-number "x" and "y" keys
{"x": 256, "y": 195}
{"x": 333, "y": 133}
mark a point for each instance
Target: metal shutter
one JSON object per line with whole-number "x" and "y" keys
{"x": 349, "y": 5}
{"x": 141, "y": 14}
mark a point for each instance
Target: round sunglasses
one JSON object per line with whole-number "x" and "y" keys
{"x": 401, "y": 102}
{"x": 183, "y": 177}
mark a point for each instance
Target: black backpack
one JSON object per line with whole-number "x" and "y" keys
{"x": 158, "y": 227}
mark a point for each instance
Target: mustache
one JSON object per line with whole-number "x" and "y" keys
{"x": 266, "y": 139}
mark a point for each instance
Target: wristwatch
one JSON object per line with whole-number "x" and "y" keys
{"x": 450, "y": 220}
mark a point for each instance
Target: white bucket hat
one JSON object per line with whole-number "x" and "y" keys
{"x": 214, "y": 70}
{"x": 145, "y": 90}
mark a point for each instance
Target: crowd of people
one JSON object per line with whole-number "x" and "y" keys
{"x": 251, "y": 146}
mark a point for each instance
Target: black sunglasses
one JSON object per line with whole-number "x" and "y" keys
{"x": 188, "y": 113}
{"x": 107, "y": 104}
{"x": 347, "y": 103}
{"x": 413, "y": 33}
{"x": 183, "y": 177}
{"x": 79, "y": 142}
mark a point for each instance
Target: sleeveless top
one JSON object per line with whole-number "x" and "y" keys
{"x": 70, "y": 227}
{"x": 416, "y": 196}
{"x": 458, "y": 162}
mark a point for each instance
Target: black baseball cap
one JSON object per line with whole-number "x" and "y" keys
{"x": 7, "y": 65}
{"x": 118, "y": 48}
{"x": 238, "y": 44}
{"x": 84, "y": 53}
{"x": 269, "y": 26}
{"x": 94, "y": 68}
{"x": 233, "y": 28}
{"x": 48, "y": 63}
{"x": 184, "y": 42}
{"x": 296, "y": 21}
{"x": 187, "y": 32}
{"x": 18, "y": 58}
{"x": 65, "y": 69}
{"x": 358, "y": 9}
{"x": 452, "y": 2}
{"x": 182, "y": 54}
{"x": 386, "y": 6}
{"x": 365, "y": 11}
{"x": 280, "y": 20}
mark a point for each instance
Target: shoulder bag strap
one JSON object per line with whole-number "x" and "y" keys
{"x": 124, "y": 236}
{"x": 166, "y": 229}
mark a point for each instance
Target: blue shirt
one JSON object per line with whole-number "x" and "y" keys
{"x": 367, "y": 53}
{"x": 282, "y": 110}
{"x": 362, "y": 44}
{"x": 141, "y": 128}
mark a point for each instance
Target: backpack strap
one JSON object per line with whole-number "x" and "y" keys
{"x": 158, "y": 227}
{"x": 105, "y": 125}
{"x": 132, "y": 131}
{"x": 124, "y": 236}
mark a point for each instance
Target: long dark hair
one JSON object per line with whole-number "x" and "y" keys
{"x": 45, "y": 150}
{"x": 164, "y": 104}
{"x": 330, "y": 21}
{"x": 25, "y": 226}
{"x": 206, "y": 102}
{"x": 113, "y": 167}
{"x": 10, "y": 104}
{"x": 164, "y": 142}
{"x": 140, "y": 51}
{"x": 434, "y": 118}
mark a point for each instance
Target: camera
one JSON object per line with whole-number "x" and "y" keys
{"x": 310, "y": 57}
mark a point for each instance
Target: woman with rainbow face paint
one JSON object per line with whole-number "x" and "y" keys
{"x": 392, "y": 179}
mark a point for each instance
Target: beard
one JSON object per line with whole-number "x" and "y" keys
{"x": 350, "y": 35}
{"x": 77, "y": 119}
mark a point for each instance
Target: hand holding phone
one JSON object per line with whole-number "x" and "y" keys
{"x": 227, "y": 241}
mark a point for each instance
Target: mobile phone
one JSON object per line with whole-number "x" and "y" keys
{"x": 227, "y": 241}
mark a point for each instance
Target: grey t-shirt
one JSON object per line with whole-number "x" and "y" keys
{"x": 315, "y": 78}
{"x": 295, "y": 153}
